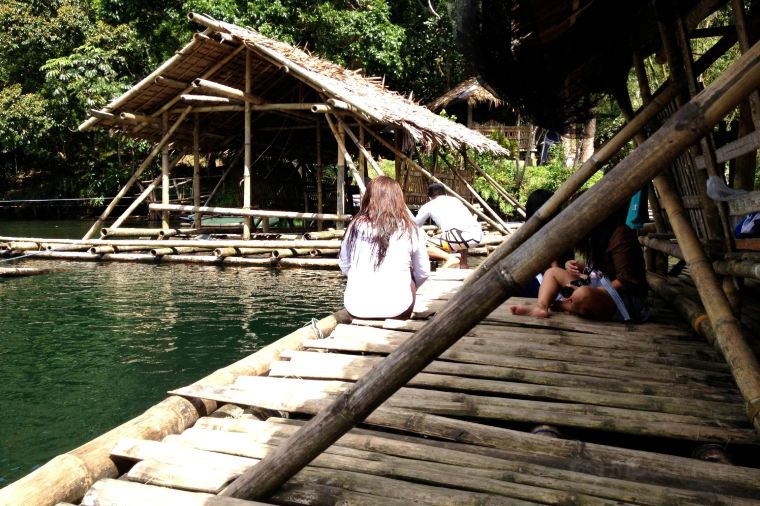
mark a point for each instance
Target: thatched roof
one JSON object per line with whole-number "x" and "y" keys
{"x": 552, "y": 59}
{"x": 470, "y": 91}
{"x": 280, "y": 74}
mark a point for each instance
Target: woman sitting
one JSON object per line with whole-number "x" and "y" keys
{"x": 610, "y": 285}
{"x": 383, "y": 254}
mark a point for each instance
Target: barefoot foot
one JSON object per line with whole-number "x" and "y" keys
{"x": 534, "y": 311}
{"x": 451, "y": 262}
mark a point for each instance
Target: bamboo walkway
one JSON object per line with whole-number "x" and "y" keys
{"x": 629, "y": 399}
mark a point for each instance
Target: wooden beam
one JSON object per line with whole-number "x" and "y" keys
{"x": 231, "y": 211}
{"x": 247, "y": 148}
{"x": 227, "y": 91}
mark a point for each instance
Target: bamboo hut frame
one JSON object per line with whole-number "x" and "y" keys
{"x": 345, "y": 98}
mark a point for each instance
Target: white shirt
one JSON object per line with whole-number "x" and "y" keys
{"x": 385, "y": 292}
{"x": 448, "y": 213}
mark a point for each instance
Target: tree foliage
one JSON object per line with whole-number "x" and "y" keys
{"x": 61, "y": 58}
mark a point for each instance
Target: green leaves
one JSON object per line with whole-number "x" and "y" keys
{"x": 23, "y": 119}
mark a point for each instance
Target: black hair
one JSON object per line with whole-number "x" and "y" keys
{"x": 435, "y": 190}
{"x": 536, "y": 199}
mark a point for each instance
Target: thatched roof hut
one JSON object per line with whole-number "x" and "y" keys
{"x": 286, "y": 82}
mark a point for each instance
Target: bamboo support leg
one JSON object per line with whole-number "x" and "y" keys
{"x": 197, "y": 170}
{"x": 475, "y": 301}
{"x": 247, "y": 149}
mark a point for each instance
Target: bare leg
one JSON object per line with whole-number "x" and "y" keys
{"x": 554, "y": 279}
{"x": 450, "y": 259}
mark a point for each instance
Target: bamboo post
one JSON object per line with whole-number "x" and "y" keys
{"x": 247, "y": 144}
{"x": 165, "y": 172}
{"x": 416, "y": 166}
{"x": 197, "y": 170}
{"x": 340, "y": 183}
{"x": 478, "y": 299}
{"x": 259, "y": 213}
{"x": 319, "y": 174}
{"x": 362, "y": 151}
{"x": 99, "y": 222}
{"x": 340, "y": 137}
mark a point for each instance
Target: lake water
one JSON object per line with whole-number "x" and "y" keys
{"x": 89, "y": 346}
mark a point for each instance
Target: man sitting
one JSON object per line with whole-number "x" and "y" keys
{"x": 460, "y": 229}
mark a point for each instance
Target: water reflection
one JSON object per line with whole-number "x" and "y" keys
{"x": 90, "y": 345}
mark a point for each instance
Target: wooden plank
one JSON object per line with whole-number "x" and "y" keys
{"x": 454, "y": 477}
{"x": 539, "y": 377}
{"x": 352, "y": 367}
{"x": 716, "y": 381}
{"x": 383, "y": 447}
{"x": 335, "y": 470}
{"x": 109, "y": 492}
{"x": 310, "y": 396}
{"x": 747, "y": 203}
{"x": 496, "y": 343}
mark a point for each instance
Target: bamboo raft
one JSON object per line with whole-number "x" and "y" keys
{"x": 457, "y": 433}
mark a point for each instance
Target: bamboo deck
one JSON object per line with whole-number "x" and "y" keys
{"x": 628, "y": 400}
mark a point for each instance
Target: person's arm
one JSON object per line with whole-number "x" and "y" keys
{"x": 626, "y": 258}
{"x": 344, "y": 259}
{"x": 422, "y": 215}
{"x": 420, "y": 259}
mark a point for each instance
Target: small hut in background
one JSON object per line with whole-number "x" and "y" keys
{"x": 480, "y": 110}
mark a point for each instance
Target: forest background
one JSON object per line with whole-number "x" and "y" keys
{"x": 61, "y": 58}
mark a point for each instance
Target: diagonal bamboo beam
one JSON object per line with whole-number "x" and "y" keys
{"x": 476, "y": 300}
{"x": 496, "y": 186}
{"x": 157, "y": 149}
{"x": 367, "y": 155}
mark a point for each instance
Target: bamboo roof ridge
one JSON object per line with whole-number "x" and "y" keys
{"x": 470, "y": 91}
{"x": 289, "y": 67}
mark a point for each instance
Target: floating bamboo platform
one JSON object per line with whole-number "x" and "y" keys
{"x": 310, "y": 250}
{"x": 625, "y": 405}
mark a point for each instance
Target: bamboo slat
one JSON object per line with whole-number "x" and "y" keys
{"x": 385, "y": 448}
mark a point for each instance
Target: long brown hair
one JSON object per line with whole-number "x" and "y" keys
{"x": 384, "y": 212}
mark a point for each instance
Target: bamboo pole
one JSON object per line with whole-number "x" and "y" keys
{"x": 159, "y": 252}
{"x": 99, "y": 222}
{"x": 730, "y": 338}
{"x": 197, "y": 169}
{"x": 247, "y": 149}
{"x": 67, "y": 477}
{"x": 165, "y": 172}
{"x": 105, "y": 250}
{"x": 326, "y": 234}
{"x": 742, "y": 32}
{"x": 340, "y": 182}
{"x": 291, "y": 252}
{"x": 227, "y": 91}
{"x": 339, "y": 134}
{"x": 319, "y": 174}
{"x": 129, "y": 232}
{"x": 230, "y": 211}
{"x": 412, "y": 163}
{"x": 661, "y": 245}
{"x": 363, "y": 150}
{"x": 168, "y": 243}
{"x": 478, "y": 299}
{"x": 499, "y": 189}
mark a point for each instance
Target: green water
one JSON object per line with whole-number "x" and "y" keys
{"x": 89, "y": 346}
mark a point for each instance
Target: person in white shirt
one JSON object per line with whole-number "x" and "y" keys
{"x": 383, "y": 255}
{"x": 460, "y": 229}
